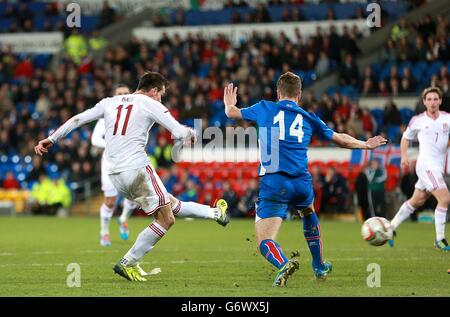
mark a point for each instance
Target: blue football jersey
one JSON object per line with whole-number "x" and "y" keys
{"x": 284, "y": 133}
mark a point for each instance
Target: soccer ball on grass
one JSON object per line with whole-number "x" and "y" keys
{"x": 377, "y": 231}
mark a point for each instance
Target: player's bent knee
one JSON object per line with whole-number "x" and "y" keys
{"x": 110, "y": 202}
{"x": 306, "y": 212}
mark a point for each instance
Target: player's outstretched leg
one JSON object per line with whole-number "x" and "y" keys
{"x": 145, "y": 242}
{"x": 219, "y": 212}
{"x": 105, "y": 218}
{"x": 405, "y": 211}
{"x": 311, "y": 230}
{"x": 128, "y": 207}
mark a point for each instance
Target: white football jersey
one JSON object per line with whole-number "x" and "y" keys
{"x": 433, "y": 135}
{"x": 128, "y": 120}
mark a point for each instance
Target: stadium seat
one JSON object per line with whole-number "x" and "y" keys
{"x": 405, "y": 115}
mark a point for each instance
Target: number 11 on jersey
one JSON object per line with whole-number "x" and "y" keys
{"x": 127, "y": 117}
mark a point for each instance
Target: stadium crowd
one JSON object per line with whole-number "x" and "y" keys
{"x": 36, "y": 100}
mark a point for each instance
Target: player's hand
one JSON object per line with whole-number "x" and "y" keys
{"x": 404, "y": 164}
{"x": 375, "y": 142}
{"x": 230, "y": 95}
{"x": 43, "y": 147}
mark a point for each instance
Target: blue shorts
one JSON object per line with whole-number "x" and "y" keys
{"x": 279, "y": 191}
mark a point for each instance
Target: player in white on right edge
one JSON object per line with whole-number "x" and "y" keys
{"x": 128, "y": 120}
{"x": 431, "y": 128}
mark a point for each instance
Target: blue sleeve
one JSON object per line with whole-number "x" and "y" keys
{"x": 251, "y": 113}
{"x": 320, "y": 128}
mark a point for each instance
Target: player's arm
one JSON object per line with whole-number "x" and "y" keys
{"x": 347, "y": 141}
{"x": 98, "y": 135}
{"x": 77, "y": 121}
{"x": 404, "y": 145}
{"x": 162, "y": 115}
{"x": 230, "y": 100}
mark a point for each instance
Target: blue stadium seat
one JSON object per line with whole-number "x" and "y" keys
{"x": 392, "y": 132}
{"x": 378, "y": 116}
{"x": 346, "y": 10}
{"x": 314, "y": 11}
{"x": 406, "y": 114}
{"x": 349, "y": 91}
{"x": 332, "y": 90}
{"x": 5, "y": 24}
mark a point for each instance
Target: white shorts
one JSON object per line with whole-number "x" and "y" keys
{"x": 142, "y": 186}
{"x": 430, "y": 180}
{"x": 107, "y": 186}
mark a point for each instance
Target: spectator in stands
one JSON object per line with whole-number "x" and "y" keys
{"x": 58, "y": 203}
{"x": 262, "y": 14}
{"x": 376, "y": 176}
{"x": 335, "y": 192}
{"x": 23, "y": 15}
{"x": 76, "y": 46}
{"x": 40, "y": 192}
{"x": 432, "y": 49}
{"x": 10, "y": 181}
{"x": 408, "y": 181}
{"x": 107, "y": 15}
{"x": 190, "y": 193}
{"x": 163, "y": 153}
{"x": 391, "y": 115}
{"x": 323, "y": 64}
{"x": 37, "y": 169}
{"x": 400, "y": 30}
{"x": 318, "y": 180}
{"x": 362, "y": 194}
{"x": 349, "y": 73}
{"x": 419, "y": 51}
{"x": 354, "y": 125}
{"x": 247, "y": 202}
{"x": 389, "y": 52}
{"x": 180, "y": 18}
{"x": 231, "y": 197}
{"x": 96, "y": 41}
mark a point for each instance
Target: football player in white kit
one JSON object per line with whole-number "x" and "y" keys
{"x": 179, "y": 208}
{"x": 109, "y": 191}
{"x": 128, "y": 120}
{"x": 431, "y": 129}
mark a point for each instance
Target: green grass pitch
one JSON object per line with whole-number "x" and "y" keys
{"x": 201, "y": 258}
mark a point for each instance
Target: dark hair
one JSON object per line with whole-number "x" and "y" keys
{"x": 290, "y": 85}
{"x": 118, "y": 85}
{"x": 428, "y": 90}
{"x": 152, "y": 80}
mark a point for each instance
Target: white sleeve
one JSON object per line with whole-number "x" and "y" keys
{"x": 98, "y": 136}
{"x": 162, "y": 115}
{"x": 77, "y": 121}
{"x": 411, "y": 131}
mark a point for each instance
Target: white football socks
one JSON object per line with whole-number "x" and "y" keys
{"x": 106, "y": 214}
{"x": 128, "y": 207}
{"x": 440, "y": 215}
{"x": 145, "y": 241}
{"x": 195, "y": 210}
{"x": 403, "y": 213}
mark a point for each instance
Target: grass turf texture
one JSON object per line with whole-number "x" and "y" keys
{"x": 201, "y": 258}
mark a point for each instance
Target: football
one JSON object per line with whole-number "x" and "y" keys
{"x": 376, "y": 231}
